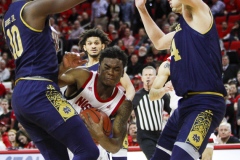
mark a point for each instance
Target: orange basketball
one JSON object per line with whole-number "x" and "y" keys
{"x": 96, "y": 114}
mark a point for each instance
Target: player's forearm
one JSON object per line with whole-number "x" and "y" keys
{"x": 156, "y": 94}
{"x": 130, "y": 92}
{"x": 153, "y": 31}
{"x": 62, "y": 70}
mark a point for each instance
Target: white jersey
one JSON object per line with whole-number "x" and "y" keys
{"x": 87, "y": 97}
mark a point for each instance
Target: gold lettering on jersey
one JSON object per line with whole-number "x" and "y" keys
{"x": 175, "y": 52}
{"x": 13, "y": 18}
{"x": 62, "y": 106}
{"x": 125, "y": 142}
{"x": 200, "y": 129}
{"x": 9, "y": 20}
{"x": 178, "y": 28}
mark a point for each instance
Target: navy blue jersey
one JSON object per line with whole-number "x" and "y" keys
{"x": 33, "y": 50}
{"x": 196, "y": 60}
{"x": 94, "y": 67}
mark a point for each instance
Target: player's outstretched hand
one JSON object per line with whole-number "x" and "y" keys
{"x": 73, "y": 60}
{"x": 140, "y": 4}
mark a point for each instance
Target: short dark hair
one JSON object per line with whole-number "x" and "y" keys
{"x": 113, "y": 52}
{"x": 93, "y": 33}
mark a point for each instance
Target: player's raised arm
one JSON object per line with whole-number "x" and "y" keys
{"x": 70, "y": 60}
{"x": 157, "y": 90}
{"x": 197, "y": 14}
{"x": 158, "y": 38}
{"x": 36, "y": 12}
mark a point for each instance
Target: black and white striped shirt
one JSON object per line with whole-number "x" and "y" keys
{"x": 149, "y": 113}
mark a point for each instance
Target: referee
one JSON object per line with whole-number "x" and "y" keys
{"x": 149, "y": 113}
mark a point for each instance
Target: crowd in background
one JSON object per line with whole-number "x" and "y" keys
{"x": 121, "y": 21}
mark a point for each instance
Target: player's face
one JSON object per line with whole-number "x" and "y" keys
{"x": 148, "y": 76}
{"x": 110, "y": 71}
{"x": 93, "y": 46}
{"x": 175, "y": 5}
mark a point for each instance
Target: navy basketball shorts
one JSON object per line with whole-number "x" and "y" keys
{"x": 192, "y": 123}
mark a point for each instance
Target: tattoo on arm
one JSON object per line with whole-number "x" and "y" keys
{"x": 167, "y": 65}
{"x": 124, "y": 112}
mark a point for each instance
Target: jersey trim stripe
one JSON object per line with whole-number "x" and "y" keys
{"x": 118, "y": 105}
{"x": 25, "y": 23}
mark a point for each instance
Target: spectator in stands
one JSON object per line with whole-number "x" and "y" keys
{"x": 24, "y": 140}
{"x": 224, "y": 134}
{"x": 229, "y": 70}
{"x": 113, "y": 13}
{"x": 149, "y": 61}
{"x": 132, "y": 134}
{"x": 99, "y": 13}
{"x": 134, "y": 67}
{"x": 137, "y": 82}
{"x": 9, "y": 61}
{"x": 3, "y": 92}
{"x": 12, "y": 139}
{"x": 172, "y": 18}
{"x": 149, "y": 112}
{"x": 121, "y": 30}
{"x": 120, "y": 44}
{"x": 128, "y": 39}
{"x": 126, "y": 9}
{"x": 217, "y": 8}
{"x": 166, "y": 28}
{"x": 234, "y": 34}
{"x": 130, "y": 51}
{"x": 132, "y": 118}
{"x": 4, "y": 134}
{"x": 73, "y": 16}
{"x": 110, "y": 29}
{"x": 6, "y": 116}
{"x": 231, "y": 7}
{"x": 20, "y": 127}
{"x": 238, "y": 81}
{"x": 142, "y": 52}
{"x": 75, "y": 33}
{"x": 2, "y": 145}
{"x": 85, "y": 20}
{"x": 114, "y": 38}
{"x": 4, "y": 72}
{"x": 224, "y": 30}
{"x": 75, "y": 49}
{"x": 141, "y": 39}
{"x": 160, "y": 10}
{"x": 229, "y": 114}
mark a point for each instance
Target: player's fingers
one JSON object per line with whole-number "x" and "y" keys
{"x": 81, "y": 54}
{"x": 101, "y": 121}
{"x": 90, "y": 119}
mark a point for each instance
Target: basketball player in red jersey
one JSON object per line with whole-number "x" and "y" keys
{"x": 87, "y": 89}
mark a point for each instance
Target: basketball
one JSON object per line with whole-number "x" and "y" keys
{"x": 96, "y": 114}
